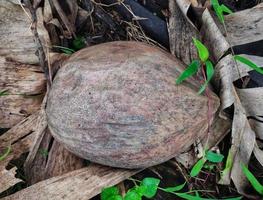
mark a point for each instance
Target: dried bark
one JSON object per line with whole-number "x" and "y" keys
{"x": 25, "y": 87}
{"x": 51, "y": 159}
{"x": 84, "y": 183}
{"x": 20, "y": 137}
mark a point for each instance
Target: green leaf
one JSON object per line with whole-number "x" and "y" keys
{"x": 151, "y": 185}
{"x": 209, "y": 75}
{"x": 225, "y": 9}
{"x": 218, "y": 10}
{"x": 252, "y": 179}
{"x": 8, "y": 150}
{"x": 3, "y": 93}
{"x": 189, "y": 197}
{"x": 174, "y": 189}
{"x": 140, "y": 189}
{"x": 65, "y": 50}
{"x": 132, "y": 195}
{"x": 202, "y": 50}
{"x": 43, "y": 152}
{"x": 229, "y": 163}
{"x": 79, "y": 43}
{"x": 214, "y": 157}
{"x": 197, "y": 197}
{"x": 248, "y": 63}
{"x": 110, "y": 193}
{"x": 116, "y": 197}
{"x": 197, "y": 167}
{"x": 209, "y": 166}
{"x": 189, "y": 71}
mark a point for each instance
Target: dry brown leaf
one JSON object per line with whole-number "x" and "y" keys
{"x": 47, "y": 11}
{"x": 257, "y": 126}
{"x": 245, "y": 26}
{"x": 245, "y": 101}
{"x": 213, "y": 37}
{"x": 184, "y": 6}
{"x": 180, "y": 35}
{"x": 67, "y": 16}
{"x": 252, "y": 100}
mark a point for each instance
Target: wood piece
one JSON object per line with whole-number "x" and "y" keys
{"x": 25, "y": 85}
{"x": 180, "y": 35}
{"x": 8, "y": 178}
{"x": 14, "y": 25}
{"x": 16, "y": 41}
{"x": 84, "y": 183}
{"x": 20, "y": 137}
{"x": 52, "y": 159}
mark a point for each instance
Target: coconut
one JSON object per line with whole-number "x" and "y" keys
{"x": 117, "y": 104}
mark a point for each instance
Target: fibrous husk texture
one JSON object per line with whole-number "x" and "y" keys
{"x": 119, "y": 106}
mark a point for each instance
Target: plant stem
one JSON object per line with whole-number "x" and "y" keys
{"x": 208, "y": 109}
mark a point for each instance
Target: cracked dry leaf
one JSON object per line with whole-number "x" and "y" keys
{"x": 247, "y": 102}
{"x": 242, "y": 29}
{"x": 181, "y": 33}
{"x": 185, "y": 6}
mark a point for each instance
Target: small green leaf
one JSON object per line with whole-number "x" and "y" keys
{"x": 229, "y": 163}
{"x": 209, "y": 166}
{"x": 174, "y": 189}
{"x": 151, "y": 185}
{"x": 248, "y": 63}
{"x": 209, "y": 74}
{"x": 218, "y": 10}
{"x": 140, "y": 189}
{"x": 252, "y": 179}
{"x": 189, "y": 197}
{"x": 43, "y": 152}
{"x": 197, "y": 167}
{"x": 8, "y": 150}
{"x": 189, "y": 71}
{"x": 116, "y": 197}
{"x": 65, "y": 50}
{"x": 225, "y": 9}
{"x": 197, "y": 197}
{"x": 214, "y": 157}
{"x": 202, "y": 50}
{"x": 132, "y": 195}
{"x": 3, "y": 93}
{"x": 79, "y": 43}
{"x": 109, "y": 193}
